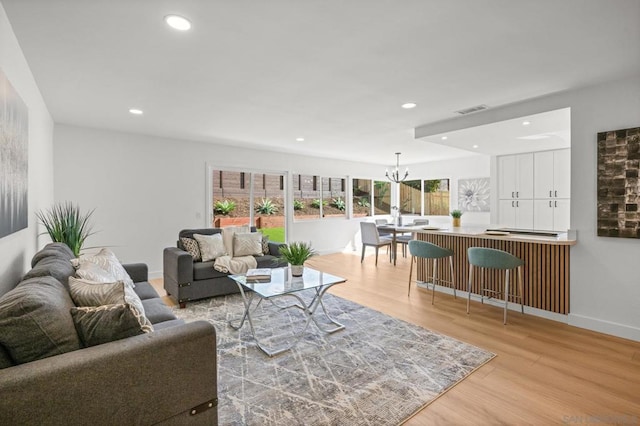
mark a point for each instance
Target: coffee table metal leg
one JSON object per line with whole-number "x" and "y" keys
{"x": 318, "y": 301}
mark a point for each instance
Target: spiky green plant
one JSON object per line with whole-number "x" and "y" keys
{"x": 298, "y": 205}
{"x": 296, "y": 253}
{"x": 65, "y": 224}
{"x": 456, "y": 214}
{"x": 316, "y": 203}
{"x": 224, "y": 207}
{"x": 339, "y": 204}
{"x": 266, "y": 206}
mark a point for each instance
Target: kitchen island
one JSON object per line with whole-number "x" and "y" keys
{"x": 546, "y": 261}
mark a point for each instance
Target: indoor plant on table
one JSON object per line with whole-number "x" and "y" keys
{"x": 456, "y": 215}
{"x": 296, "y": 254}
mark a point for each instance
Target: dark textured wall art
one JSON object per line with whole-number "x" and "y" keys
{"x": 14, "y": 126}
{"x": 618, "y": 183}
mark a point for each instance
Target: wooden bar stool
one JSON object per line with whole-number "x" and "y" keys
{"x": 495, "y": 259}
{"x": 427, "y": 250}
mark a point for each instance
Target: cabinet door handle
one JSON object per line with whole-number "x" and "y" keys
{"x": 512, "y": 194}
{"x": 512, "y": 204}
{"x": 556, "y": 204}
{"x": 517, "y": 194}
{"x": 556, "y": 194}
{"x": 550, "y": 194}
{"x": 517, "y": 203}
{"x": 549, "y": 203}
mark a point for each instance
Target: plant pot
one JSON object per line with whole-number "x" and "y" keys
{"x": 296, "y": 270}
{"x": 456, "y": 222}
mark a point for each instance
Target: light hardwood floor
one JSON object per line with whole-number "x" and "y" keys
{"x": 545, "y": 372}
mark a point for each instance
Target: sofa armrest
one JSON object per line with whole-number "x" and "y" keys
{"x": 177, "y": 265}
{"x": 137, "y": 271}
{"x": 274, "y": 248}
{"x": 146, "y": 379}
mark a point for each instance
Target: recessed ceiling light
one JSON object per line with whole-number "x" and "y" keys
{"x": 526, "y": 123}
{"x": 299, "y": 139}
{"x": 444, "y": 138}
{"x": 178, "y": 22}
{"x": 476, "y": 146}
{"x": 136, "y": 111}
{"x": 409, "y": 105}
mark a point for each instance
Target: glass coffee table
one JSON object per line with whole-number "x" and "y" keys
{"x": 283, "y": 284}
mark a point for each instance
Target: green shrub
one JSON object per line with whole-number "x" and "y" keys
{"x": 339, "y": 204}
{"x": 316, "y": 203}
{"x": 364, "y": 202}
{"x": 298, "y": 205}
{"x": 224, "y": 207}
{"x": 266, "y": 206}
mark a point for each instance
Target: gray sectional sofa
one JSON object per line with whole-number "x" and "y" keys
{"x": 47, "y": 377}
{"x": 186, "y": 280}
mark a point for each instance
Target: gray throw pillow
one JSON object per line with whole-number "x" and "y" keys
{"x": 102, "y": 324}
{"x": 35, "y": 320}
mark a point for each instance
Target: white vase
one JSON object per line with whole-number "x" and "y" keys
{"x": 296, "y": 270}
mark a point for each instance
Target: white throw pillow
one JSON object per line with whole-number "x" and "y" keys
{"x": 227, "y": 236}
{"x": 247, "y": 244}
{"x": 90, "y": 293}
{"x": 211, "y": 246}
{"x": 106, "y": 260}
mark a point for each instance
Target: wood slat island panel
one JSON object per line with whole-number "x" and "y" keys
{"x": 546, "y": 264}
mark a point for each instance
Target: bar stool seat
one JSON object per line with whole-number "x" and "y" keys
{"x": 434, "y": 252}
{"x": 488, "y": 258}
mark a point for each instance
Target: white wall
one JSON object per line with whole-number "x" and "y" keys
{"x": 145, "y": 189}
{"x": 17, "y": 249}
{"x": 605, "y": 284}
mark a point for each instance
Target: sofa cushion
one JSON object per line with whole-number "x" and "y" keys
{"x": 157, "y": 311}
{"x": 205, "y": 271}
{"x": 247, "y": 244}
{"x": 35, "y": 320}
{"x": 191, "y": 246}
{"x": 144, "y": 290}
{"x": 87, "y": 293}
{"x": 57, "y": 267}
{"x": 211, "y": 246}
{"x": 102, "y": 324}
{"x": 59, "y": 250}
{"x": 108, "y": 261}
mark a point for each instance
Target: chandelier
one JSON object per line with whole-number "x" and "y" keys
{"x": 395, "y": 175}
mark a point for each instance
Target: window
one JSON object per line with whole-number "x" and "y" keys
{"x": 382, "y": 197}
{"x": 361, "y": 197}
{"x": 436, "y": 197}
{"x": 334, "y": 202}
{"x": 306, "y": 197}
{"x": 249, "y": 198}
{"x": 410, "y": 197}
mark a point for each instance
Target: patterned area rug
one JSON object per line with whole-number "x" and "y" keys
{"x": 377, "y": 371}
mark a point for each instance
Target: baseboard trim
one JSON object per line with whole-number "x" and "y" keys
{"x": 606, "y": 327}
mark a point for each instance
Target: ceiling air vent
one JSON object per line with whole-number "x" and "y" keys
{"x": 472, "y": 109}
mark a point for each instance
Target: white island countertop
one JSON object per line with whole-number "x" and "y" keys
{"x": 484, "y": 231}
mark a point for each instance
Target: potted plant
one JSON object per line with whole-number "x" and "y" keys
{"x": 456, "y": 215}
{"x": 296, "y": 254}
{"x": 65, "y": 224}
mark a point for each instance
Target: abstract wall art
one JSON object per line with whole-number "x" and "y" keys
{"x": 473, "y": 195}
{"x": 14, "y": 126}
{"x": 618, "y": 183}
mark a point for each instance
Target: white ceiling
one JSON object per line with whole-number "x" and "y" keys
{"x": 263, "y": 73}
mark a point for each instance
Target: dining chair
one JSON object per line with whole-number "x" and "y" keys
{"x": 489, "y": 258}
{"x": 426, "y": 250}
{"x": 371, "y": 237}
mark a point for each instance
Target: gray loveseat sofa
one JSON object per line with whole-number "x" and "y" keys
{"x": 167, "y": 376}
{"x": 186, "y": 280}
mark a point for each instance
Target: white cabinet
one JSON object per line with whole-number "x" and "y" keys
{"x": 551, "y": 215}
{"x": 515, "y": 176}
{"x": 516, "y": 213}
{"x": 552, "y": 171}
{"x": 534, "y": 190}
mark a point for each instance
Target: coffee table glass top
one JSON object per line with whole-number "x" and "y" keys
{"x": 283, "y": 283}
